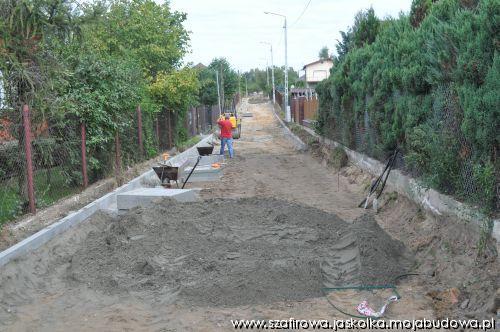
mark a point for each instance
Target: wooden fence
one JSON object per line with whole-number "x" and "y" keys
{"x": 304, "y": 108}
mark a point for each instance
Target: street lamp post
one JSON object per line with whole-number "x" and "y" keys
{"x": 287, "y": 109}
{"x": 218, "y": 91}
{"x": 272, "y": 71}
{"x": 246, "y": 86}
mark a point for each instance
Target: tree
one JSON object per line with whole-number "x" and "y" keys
{"x": 344, "y": 44}
{"x": 177, "y": 91}
{"x": 366, "y": 27}
{"x": 257, "y": 79}
{"x": 208, "y": 86}
{"x": 324, "y": 53}
{"x": 92, "y": 63}
{"x": 145, "y": 35}
{"x": 228, "y": 78}
{"x": 426, "y": 83}
{"x": 27, "y": 28}
{"x": 151, "y": 33}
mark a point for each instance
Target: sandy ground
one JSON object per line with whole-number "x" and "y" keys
{"x": 265, "y": 166}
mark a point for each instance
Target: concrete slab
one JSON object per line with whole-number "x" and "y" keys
{"x": 204, "y": 173}
{"x": 207, "y": 160}
{"x": 145, "y": 196}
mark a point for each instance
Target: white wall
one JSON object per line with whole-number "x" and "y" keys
{"x": 318, "y": 71}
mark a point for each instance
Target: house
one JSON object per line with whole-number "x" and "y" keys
{"x": 199, "y": 66}
{"x": 317, "y": 71}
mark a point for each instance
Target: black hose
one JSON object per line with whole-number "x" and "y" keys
{"x": 374, "y": 186}
{"x": 393, "y": 160}
{"x": 192, "y": 170}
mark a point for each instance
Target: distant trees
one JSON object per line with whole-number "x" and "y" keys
{"x": 324, "y": 53}
{"x": 428, "y": 83}
{"x": 208, "y": 86}
{"x": 257, "y": 79}
{"x": 228, "y": 79}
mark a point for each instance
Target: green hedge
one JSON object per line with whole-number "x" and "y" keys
{"x": 428, "y": 83}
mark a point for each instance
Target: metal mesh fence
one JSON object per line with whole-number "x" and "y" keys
{"x": 67, "y": 155}
{"x": 62, "y": 150}
{"x": 448, "y": 163}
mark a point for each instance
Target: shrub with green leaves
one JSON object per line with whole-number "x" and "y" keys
{"x": 427, "y": 83}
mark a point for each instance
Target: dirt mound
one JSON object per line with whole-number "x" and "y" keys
{"x": 227, "y": 252}
{"x": 365, "y": 256}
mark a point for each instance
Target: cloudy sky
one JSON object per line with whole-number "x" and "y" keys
{"x": 235, "y": 28}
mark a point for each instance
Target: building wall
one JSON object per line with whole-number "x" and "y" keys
{"x": 318, "y": 71}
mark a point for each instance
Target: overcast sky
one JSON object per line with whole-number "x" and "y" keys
{"x": 234, "y": 28}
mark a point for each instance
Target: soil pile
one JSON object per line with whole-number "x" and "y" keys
{"x": 365, "y": 256}
{"x": 232, "y": 252}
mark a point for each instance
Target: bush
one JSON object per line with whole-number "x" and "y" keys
{"x": 427, "y": 83}
{"x": 338, "y": 158}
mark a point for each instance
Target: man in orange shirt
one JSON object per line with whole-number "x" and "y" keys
{"x": 226, "y": 135}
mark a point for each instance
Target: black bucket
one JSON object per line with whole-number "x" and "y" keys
{"x": 165, "y": 172}
{"x": 205, "y": 150}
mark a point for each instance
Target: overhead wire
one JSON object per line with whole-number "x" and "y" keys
{"x": 301, "y": 14}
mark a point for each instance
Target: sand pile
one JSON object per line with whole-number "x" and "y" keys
{"x": 365, "y": 255}
{"x": 233, "y": 252}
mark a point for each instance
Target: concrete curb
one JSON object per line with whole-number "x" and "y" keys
{"x": 106, "y": 202}
{"x": 297, "y": 142}
{"x": 427, "y": 198}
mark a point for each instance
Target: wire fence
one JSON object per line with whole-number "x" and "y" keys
{"x": 43, "y": 160}
{"x": 447, "y": 161}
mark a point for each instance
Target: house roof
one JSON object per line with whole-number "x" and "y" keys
{"x": 200, "y": 66}
{"x": 317, "y": 61}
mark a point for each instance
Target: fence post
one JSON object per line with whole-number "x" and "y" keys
{"x": 157, "y": 130}
{"x": 300, "y": 112}
{"x": 118, "y": 162}
{"x": 84, "y": 155}
{"x": 29, "y": 161}
{"x": 169, "y": 127}
{"x": 139, "y": 130}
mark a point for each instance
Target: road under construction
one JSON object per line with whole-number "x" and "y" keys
{"x": 273, "y": 233}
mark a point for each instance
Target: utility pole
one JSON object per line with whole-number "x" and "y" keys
{"x": 288, "y": 117}
{"x": 223, "y": 99}
{"x": 218, "y": 90}
{"x": 239, "y": 83}
{"x": 287, "y": 109}
{"x": 272, "y": 76}
{"x": 246, "y": 86}
{"x": 272, "y": 71}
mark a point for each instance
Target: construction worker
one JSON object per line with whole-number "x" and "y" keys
{"x": 226, "y": 135}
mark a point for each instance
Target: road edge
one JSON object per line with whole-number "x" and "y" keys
{"x": 298, "y": 144}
